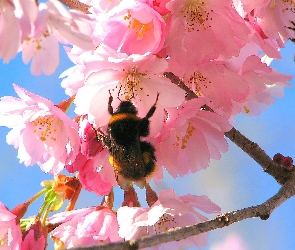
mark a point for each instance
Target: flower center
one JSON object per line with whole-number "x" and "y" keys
{"x": 130, "y": 81}
{"x": 39, "y": 41}
{"x": 45, "y": 128}
{"x": 183, "y": 141}
{"x": 139, "y": 28}
{"x": 196, "y": 15}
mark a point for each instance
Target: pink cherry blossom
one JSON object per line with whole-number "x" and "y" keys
{"x": 90, "y": 146}
{"x": 133, "y": 27}
{"x": 10, "y": 232}
{"x": 265, "y": 84}
{"x": 232, "y": 241}
{"x": 232, "y": 84}
{"x": 10, "y": 37}
{"x": 193, "y": 136}
{"x": 49, "y": 24}
{"x": 97, "y": 175}
{"x": 73, "y": 78}
{"x": 272, "y": 18}
{"x": 210, "y": 28}
{"x": 95, "y": 171}
{"x": 170, "y": 211}
{"x": 41, "y": 132}
{"x": 84, "y": 227}
{"x": 136, "y": 78}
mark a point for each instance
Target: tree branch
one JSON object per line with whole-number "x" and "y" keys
{"x": 263, "y": 211}
{"x": 174, "y": 79}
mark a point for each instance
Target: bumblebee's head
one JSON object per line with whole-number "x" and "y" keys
{"x": 126, "y": 107}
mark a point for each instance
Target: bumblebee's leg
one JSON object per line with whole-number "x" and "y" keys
{"x": 152, "y": 109}
{"x": 110, "y": 108}
{"x": 144, "y": 122}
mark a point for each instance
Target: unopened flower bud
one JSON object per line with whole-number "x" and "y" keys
{"x": 288, "y": 162}
{"x": 278, "y": 158}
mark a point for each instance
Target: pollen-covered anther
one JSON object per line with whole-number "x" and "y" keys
{"x": 197, "y": 15}
{"x": 139, "y": 28}
{"x": 44, "y": 128}
{"x": 128, "y": 16}
{"x": 129, "y": 83}
{"x": 39, "y": 47}
{"x": 246, "y": 110}
{"x": 189, "y": 132}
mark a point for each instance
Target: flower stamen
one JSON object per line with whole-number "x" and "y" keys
{"x": 189, "y": 132}
{"x": 140, "y": 28}
{"x": 195, "y": 13}
{"x": 130, "y": 81}
{"x": 44, "y": 128}
{"x": 198, "y": 81}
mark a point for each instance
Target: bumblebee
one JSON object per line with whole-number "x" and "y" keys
{"x": 131, "y": 157}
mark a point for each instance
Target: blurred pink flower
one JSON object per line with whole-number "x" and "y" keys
{"x": 231, "y": 242}
{"x": 133, "y": 27}
{"x": 169, "y": 212}
{"x": 41, "y": 132}
{"x": 48, "y": 24}
{"x": 193, "y": 137}
{"x": 10, "y": 37}
{"x": 10, "y": 232}
{"x": 84, "y": 227}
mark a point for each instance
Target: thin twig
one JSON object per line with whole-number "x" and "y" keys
{"x": 280, "y": 174}
{"x": 174, "y": 79}
{"x": 76, "y": 5}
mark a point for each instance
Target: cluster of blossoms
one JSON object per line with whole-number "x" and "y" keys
{"x": 204, "y": 61}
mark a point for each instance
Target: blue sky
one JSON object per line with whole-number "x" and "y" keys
{"x": 234, "y": 182}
